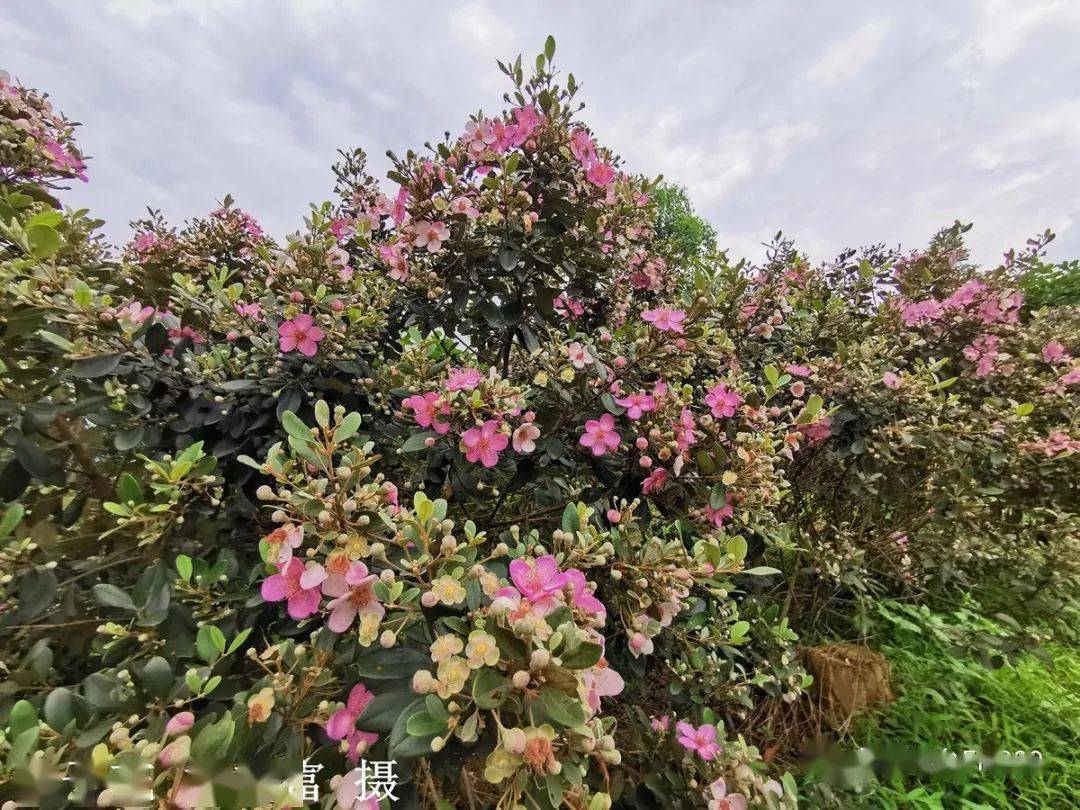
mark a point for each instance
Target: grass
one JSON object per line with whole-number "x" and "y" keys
{"x": 948, "y": 699}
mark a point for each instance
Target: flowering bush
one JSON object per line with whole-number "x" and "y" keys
{"x": 484, "y": 475}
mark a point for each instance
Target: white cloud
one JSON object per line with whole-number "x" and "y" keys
{"x": 844, "y": 59}
{"x": 475, "y": 24}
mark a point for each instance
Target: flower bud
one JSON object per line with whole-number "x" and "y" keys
{"x": 521, "y": 679}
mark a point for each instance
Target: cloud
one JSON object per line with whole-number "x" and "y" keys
{"x": 906, "y": 118}
{"x": 844, "y": 59}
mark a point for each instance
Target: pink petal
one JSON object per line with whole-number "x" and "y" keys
{"x": 273, "y": 588}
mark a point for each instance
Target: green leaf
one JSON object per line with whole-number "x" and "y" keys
{"x": 207, "y": 643}
{"x": 111, "y": 596}
{"x": 418, "y": 441}
{"x": 11, "y": 519}
{"x": 813, "y": 405}
{"x": 761, "y": 571}
{"x": 582, "y": 656}
{"x": 570, "y": 520}
{"x": 549, "y": 47}
{"x": 241, "y": 637}
{"x": 184, "y": 567}
{"x": 157, "y": 677}
{"x": 402, "y": 745}
{"x": 99, "y": 366}
{"x": 490, "y": 689}
{"x": 347, "y": 428}
{"x": 295, "y": 427}
{"x": 397, "y": 662}
{"x": 385, "y": 709}
{"x": 423, "y": 724}
{"x": 56, "y": 340}
{"x": 44, "y": 241}
{"x": 23, "y": 716}
{"x": 322, "y": 413}
{"x": 213, "y": 741}
{"x": 560, "y": 707}
{"x": 128, "y": 489}
{"x": 772, "y": 374}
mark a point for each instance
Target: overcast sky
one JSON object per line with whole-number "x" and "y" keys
{"x": 841, "y": 123}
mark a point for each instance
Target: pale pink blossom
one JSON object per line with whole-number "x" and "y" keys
{"x": 465, "y": 207}
{"x": 352, "y": 596}
{"x": 430, "y": 235}
{"x": 524, "y": 438}
{"x": 661, "y": 723}
{"x": 1054, "y": 352}
{"x": 655, "y": 481}
{"x": 798, "y": 370}
{"x": 582, "y": 146}
{"x": 579, "y": 355}
{"x": 892, "y": 380}
{"x": 721, "y": 800}
{"x": 600, "y": 681}
{"x": 179, "y": 723}
{"x": 641, "y": 644}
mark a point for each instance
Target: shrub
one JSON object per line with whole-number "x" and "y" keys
{"x": 484, "y": 477}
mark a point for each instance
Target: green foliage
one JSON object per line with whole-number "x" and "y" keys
{"x": 688, "y": 236}
{"x": 1051, "y": 285}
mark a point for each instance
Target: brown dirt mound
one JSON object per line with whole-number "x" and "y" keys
{"x": 848, "y": 679}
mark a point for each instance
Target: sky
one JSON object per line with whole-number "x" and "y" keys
{"x": 842, "y": 124}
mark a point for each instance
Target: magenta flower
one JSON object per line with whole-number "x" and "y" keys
{"x": 582, "y": 596}
{"x": 484, "y": 443}
{"x": 427, "y": 408}
{"x": 920, "y": 312}
{"x": 600, "y": 174}
{"x": 342, "y": 725}
{"x": 664, "y": 319}
{"x": 817, "y": 432}
{"x": 300, "y": 334}
{"x": 463, "y": 379}
{"x": 655, "y": 481}
{"x": 701, "y": 740}
{"x": 600, "y": 435}
{"x": 298, "y": 585}
{"x": 582, "y": 146}
{"x": 717, "y": 516}
{"x": 722, "y": 401}
{"x": 352, "y": 596}
{"x": 637, "y": 404}
{"x": 537, "y": 579}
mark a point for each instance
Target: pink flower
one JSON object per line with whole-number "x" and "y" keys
{"x": 430, "y": 235}
{"x": 342, "y": 725}
{"x": 817, "y": 432}
{"x": 582, "y": 146}
{"x": 281, "y": 542}
{"x": 797, "y": 370}
{"x": 253, "y": 311}
{"x": 718, "y": 516}
{"x": 463, "y": 379}
{"x": 701, "y": 739}
{"x": 1054, "y": 351}
{"x": 427, "y": 408}
{"x": 525, "y": 437}
{"x": 300, "y": 334}
{"x": 920, "y": 312}
{"x": 601, "y": 681}
{"x": 579, "y": 355}
{"x": 464, "y": 206}
{"x": 641, "y": 644}
{"x": 722, "y": 401}
{"x": 722, "y": 801}
{"x": 538, "y": 578}
{"x": 661, "y": 723}
{"x": 135, "y": 313}
{"x": 664, "y": 319}
{"x": 352, "y": 596}
{"x": 144, "y": 241}
{"x": 1070, "y": 377}
{"x": 684, "y": 430}
{"x": 298, "y": 585}
{"x": 637, "y": 404}
{"x": 179, "y": 723}
{"x": 582, "y": 596}
{"x": 600, "y": 435}
{"x": 484, "y": 443}
{"x": 353, "y": 792}
{"x": 341, "y": 228}
{"x": 891, "y": 380}
{"x": 600, "y": 174}
{"x": 655, "y": 481}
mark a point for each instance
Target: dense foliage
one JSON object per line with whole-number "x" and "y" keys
{"x": 491, "y": 475}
